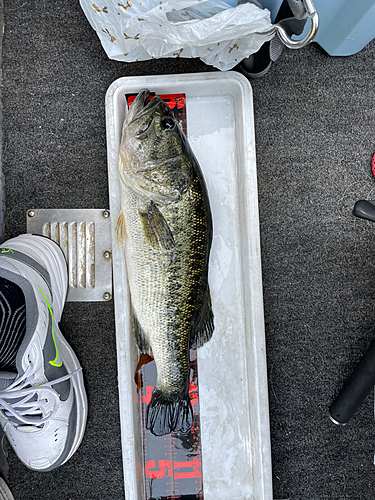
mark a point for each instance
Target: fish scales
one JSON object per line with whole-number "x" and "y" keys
{"x": 167, "y": 232}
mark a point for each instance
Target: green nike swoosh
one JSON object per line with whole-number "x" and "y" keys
{"x": 54, "y": 362}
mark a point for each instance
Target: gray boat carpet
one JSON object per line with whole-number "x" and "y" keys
{"x": 315, "y": 138}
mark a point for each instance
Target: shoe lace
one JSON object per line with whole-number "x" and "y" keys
{"x": 27, "y": 406}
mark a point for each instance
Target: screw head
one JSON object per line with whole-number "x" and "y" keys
{"x": 31, "y": 213}
{"x": 106, "y": 254}
{"x": 106, "y": 296}
{"x": 105, "y": 214}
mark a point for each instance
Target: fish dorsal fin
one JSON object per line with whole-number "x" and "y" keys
{"x": 155, "y": 228}
{"x": 120, "y": 230}
{"x": 203, "y": 328}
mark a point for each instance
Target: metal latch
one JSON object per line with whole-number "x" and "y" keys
{"x": 298, "y": 44}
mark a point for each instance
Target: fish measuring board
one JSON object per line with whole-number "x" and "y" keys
{"x": 172, "y": 463}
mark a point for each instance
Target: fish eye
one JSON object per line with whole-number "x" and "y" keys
{"x": 167, "y": 123}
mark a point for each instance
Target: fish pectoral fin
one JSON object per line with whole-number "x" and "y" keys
{"x": 120, "y": 230}
{"x": 155, "y": 228}
{"x": 140, "y": 337}
{"x": 203, "y": 329}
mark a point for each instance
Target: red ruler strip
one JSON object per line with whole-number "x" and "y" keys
{"x": 172, "y": 463}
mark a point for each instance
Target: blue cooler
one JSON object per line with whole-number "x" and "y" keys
{"x": 345, "y": 26}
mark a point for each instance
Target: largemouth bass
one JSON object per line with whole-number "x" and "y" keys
{"x": 165, "y": 226}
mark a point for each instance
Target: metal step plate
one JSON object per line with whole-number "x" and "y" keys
{"x": 85, "y": 238}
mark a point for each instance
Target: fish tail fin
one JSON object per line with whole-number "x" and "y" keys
{"x": 168, "y": 413}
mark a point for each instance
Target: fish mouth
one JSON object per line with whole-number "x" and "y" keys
{"x": 142, "y": 105}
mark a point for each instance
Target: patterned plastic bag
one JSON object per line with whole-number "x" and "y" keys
{"x": 215, "y": 31}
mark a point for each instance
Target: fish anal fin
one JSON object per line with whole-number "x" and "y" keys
{"x": 140, "y": 337}
{"x": 120, "y": 230}
{"x": 203, "y": 328}
{"x": 144, "y": 359}
{"x": 155, "y": 228}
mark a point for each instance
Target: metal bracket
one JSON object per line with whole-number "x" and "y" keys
{"x": 85, "y": 238}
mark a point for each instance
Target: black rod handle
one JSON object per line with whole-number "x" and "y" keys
{"x": 365, "y": 210}
{"x": 355, "y": 390}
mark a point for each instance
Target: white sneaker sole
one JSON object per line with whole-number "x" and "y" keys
{"x": 5, "y": 493}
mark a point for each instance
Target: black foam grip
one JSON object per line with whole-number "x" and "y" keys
{"x": 356, "y": 388}
{"x": 365, "y": 210}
